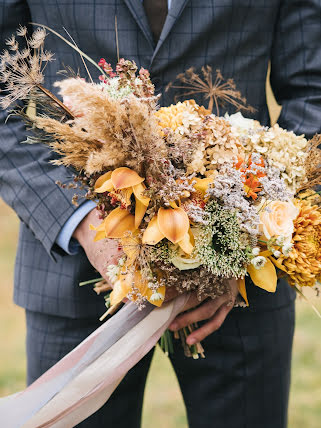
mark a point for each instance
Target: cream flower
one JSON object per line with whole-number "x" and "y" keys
{"x": 284, "y": 150}
{"x": 239, "y": 122}
{"x": 186, "y": 263}
{"x": 259, "y": 262}
{"x": 277, "y": 219}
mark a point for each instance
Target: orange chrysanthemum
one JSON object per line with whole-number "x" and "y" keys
{"x": 303, "y": 265}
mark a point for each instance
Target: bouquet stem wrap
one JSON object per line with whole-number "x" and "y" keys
{"x": 80, "y": 383}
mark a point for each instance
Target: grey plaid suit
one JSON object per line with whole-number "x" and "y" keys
{"x": 249, "y": 357}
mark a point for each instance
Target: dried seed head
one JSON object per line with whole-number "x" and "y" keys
{"x": 5, "y": 57}
{"x": 22, "y": 31}
{"x": 22, "y": 71}
{"x": 25, "y": 53}
{"x": 4, "y": 76}
{"x": 11, "y": 41}
{"x": 37, "y": 38}
{"x": 217, "y": 90}
{"x": 47, "y": 56}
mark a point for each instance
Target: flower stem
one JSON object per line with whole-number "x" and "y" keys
{"x": 90, "y": 281}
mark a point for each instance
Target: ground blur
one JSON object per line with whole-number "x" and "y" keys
{"x": 163, "y": 405}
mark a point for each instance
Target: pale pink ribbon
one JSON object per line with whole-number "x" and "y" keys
{"x": 95, "y": 378}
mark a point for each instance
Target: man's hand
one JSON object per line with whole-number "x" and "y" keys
{"x": 213, "y": 310}
{"x": 101, "y": 253}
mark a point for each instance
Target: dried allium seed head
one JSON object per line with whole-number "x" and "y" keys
{"x": 47, "y": 56}
{"x": 21, "y": 71}
{"x": 25, "y": 53}
{"x": 5, "y": 57}
{"x": 37, "y": 38}
{"x": 11, "y": 41}
{"x": 22, "y": 31}
{"x": 218, "y": 92}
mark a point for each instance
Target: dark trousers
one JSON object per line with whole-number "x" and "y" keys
{"x": 242, "y": 383}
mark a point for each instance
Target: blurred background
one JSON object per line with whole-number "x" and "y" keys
{"x": 163, "y": 405}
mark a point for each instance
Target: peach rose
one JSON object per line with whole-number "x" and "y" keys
{"x": 277, "y": 219}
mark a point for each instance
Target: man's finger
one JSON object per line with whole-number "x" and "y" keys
{"x": 170, "y": 294}
{"x": 202, "y": 312}
{"x": 212, "y": 325}
{"x": 192, "y": 302}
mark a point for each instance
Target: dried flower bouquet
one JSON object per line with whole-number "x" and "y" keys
{"x": 192, "y": 198}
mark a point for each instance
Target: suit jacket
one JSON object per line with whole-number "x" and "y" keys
{"x": 239, "y": 37}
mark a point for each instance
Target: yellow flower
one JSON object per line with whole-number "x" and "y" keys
{"x": 122, "y": 183}
{"x": 303, "y": 264}
{"x": 264, "y": 277}
{"x": 131, "y": 279}
{"x": 172, "y": 224}
{"x": 174, "y": 116}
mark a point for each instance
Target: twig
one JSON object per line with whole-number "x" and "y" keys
{"x": 71, "y": 45}
{"x": 116, "y": 35}
{"x": 55, "y": 99}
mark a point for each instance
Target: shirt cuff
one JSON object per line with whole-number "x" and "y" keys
{"x": 65, "y": 239}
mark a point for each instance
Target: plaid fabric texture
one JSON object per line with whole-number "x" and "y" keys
{"x": 239, "y": 37}
{"x": 242, "y": 383}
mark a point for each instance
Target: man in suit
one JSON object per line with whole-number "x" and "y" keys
{"x": 244, "y": 380}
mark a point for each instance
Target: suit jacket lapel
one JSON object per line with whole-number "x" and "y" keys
{"x": 173, "y": 14}
{"x": 137, "y": 10}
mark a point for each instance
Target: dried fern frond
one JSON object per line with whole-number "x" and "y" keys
{"x": 218, "y": 92}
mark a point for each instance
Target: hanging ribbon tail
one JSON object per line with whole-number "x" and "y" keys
{"x": 82, "y": 382}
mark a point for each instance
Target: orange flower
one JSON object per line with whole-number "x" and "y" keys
{"x": 131, "y": 279}
{"x": 251, "y": 181}
{"x": 303, "y": 264}
{"x": 264, "y": 277}
{"x": 251, "y": 186}
{"x": 122, "y": 183}
{"x": 172, "y": 224}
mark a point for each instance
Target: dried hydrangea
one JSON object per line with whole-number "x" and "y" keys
{"x": 220, "y": 146}
{"x": 285, "y": 150}
{"x": 207, "y": 138}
